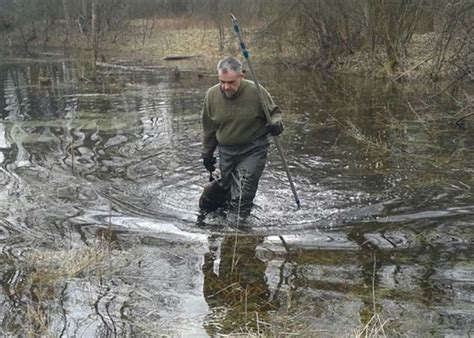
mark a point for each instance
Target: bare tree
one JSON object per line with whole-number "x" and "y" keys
{"x": 314, "y": 33}
{"x": 455, "y": 43}
{"x": 67, "y": 20}
{"x": 95, "y": 42}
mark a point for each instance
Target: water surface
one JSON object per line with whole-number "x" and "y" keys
{"x": 384, "y": 174}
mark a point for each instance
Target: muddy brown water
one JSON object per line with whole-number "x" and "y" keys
{"x": 112, "y": 168}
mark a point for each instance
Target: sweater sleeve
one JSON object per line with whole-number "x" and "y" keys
{"x": 273, "y": 109}
{"x": 209, "y": 128}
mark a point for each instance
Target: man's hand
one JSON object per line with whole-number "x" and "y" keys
{"x": 275, "y": 129}
{"x": 209, "y": 163}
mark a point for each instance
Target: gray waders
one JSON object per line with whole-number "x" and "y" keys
{"x": 241, "y": 167}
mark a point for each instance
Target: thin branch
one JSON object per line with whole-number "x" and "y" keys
{"x": 419, "y": 118}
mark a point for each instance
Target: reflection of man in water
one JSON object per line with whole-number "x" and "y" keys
{"x": 235, "y": 287}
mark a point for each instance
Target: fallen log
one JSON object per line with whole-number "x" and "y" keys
{"x": 179, "y": 57}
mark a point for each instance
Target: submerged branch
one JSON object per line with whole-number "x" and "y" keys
{"x": 423, "y": 123}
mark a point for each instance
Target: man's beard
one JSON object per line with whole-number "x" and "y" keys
{"x": 229, "y": 94}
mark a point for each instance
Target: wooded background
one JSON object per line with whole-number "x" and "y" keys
{"x": 317, "y": 32}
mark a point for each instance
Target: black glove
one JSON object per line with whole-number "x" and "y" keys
{"x": 209, "y": 163}
{"x": 275, "y": 129}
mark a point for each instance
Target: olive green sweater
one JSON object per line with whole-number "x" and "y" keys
{"x": 236, "y": 120}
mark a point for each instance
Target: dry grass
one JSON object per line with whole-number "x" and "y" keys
{"x": 37, "y": 321}
{"x": 379, "y": 146}
{"x": 375, "y": 326}
{"x": 52, "y": 266}
{"x": 46, "y": 272}
{"x": 150, "y": 40}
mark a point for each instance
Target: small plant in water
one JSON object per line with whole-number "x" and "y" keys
{"x": 375, "y": 326}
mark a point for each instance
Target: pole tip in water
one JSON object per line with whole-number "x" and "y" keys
{"x": 298, "y": 205}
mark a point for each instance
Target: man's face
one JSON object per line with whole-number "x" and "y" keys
{"x": 229, "y": 82}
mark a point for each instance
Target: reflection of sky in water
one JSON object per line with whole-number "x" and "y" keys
{"x": 3, "y": 142}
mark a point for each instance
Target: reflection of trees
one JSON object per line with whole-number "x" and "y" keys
{"x": 235, "y": 286}
{"x": 95, "y": 133}
{"x": 3, "y": 101}
{"x": 34, "y": 111}
{"x": 151, "y": 122}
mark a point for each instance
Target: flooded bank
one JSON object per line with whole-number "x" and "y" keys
{"x": 99, "y": 185}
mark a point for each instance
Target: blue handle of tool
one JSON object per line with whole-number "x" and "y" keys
{"x": 245, "y": 53}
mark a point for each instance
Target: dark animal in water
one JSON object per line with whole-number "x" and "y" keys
{"x": 213, "y": 196}
{"x": 44, "y": 81}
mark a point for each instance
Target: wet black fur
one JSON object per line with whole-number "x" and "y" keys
{"x": 213, "y": 196}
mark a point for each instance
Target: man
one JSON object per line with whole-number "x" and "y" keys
{"x": 234, "y": 121}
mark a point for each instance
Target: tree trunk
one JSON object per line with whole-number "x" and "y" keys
{"x": 84, "y": 8}
{"x": 67, "y": 19}
{"x": 391, "y": 34}
{"x": 94, "y": 37}
{"x": 372, "y": 14}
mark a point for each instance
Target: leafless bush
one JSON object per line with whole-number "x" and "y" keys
{"x": 312, "y": 33}
{"x": 454, "y": 48}
{"x": 319, "y": 32}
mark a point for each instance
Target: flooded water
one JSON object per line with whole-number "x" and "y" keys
{"x": 99, "y": 184}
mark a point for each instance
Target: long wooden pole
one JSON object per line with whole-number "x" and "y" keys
{"x": 245, "y": 54}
